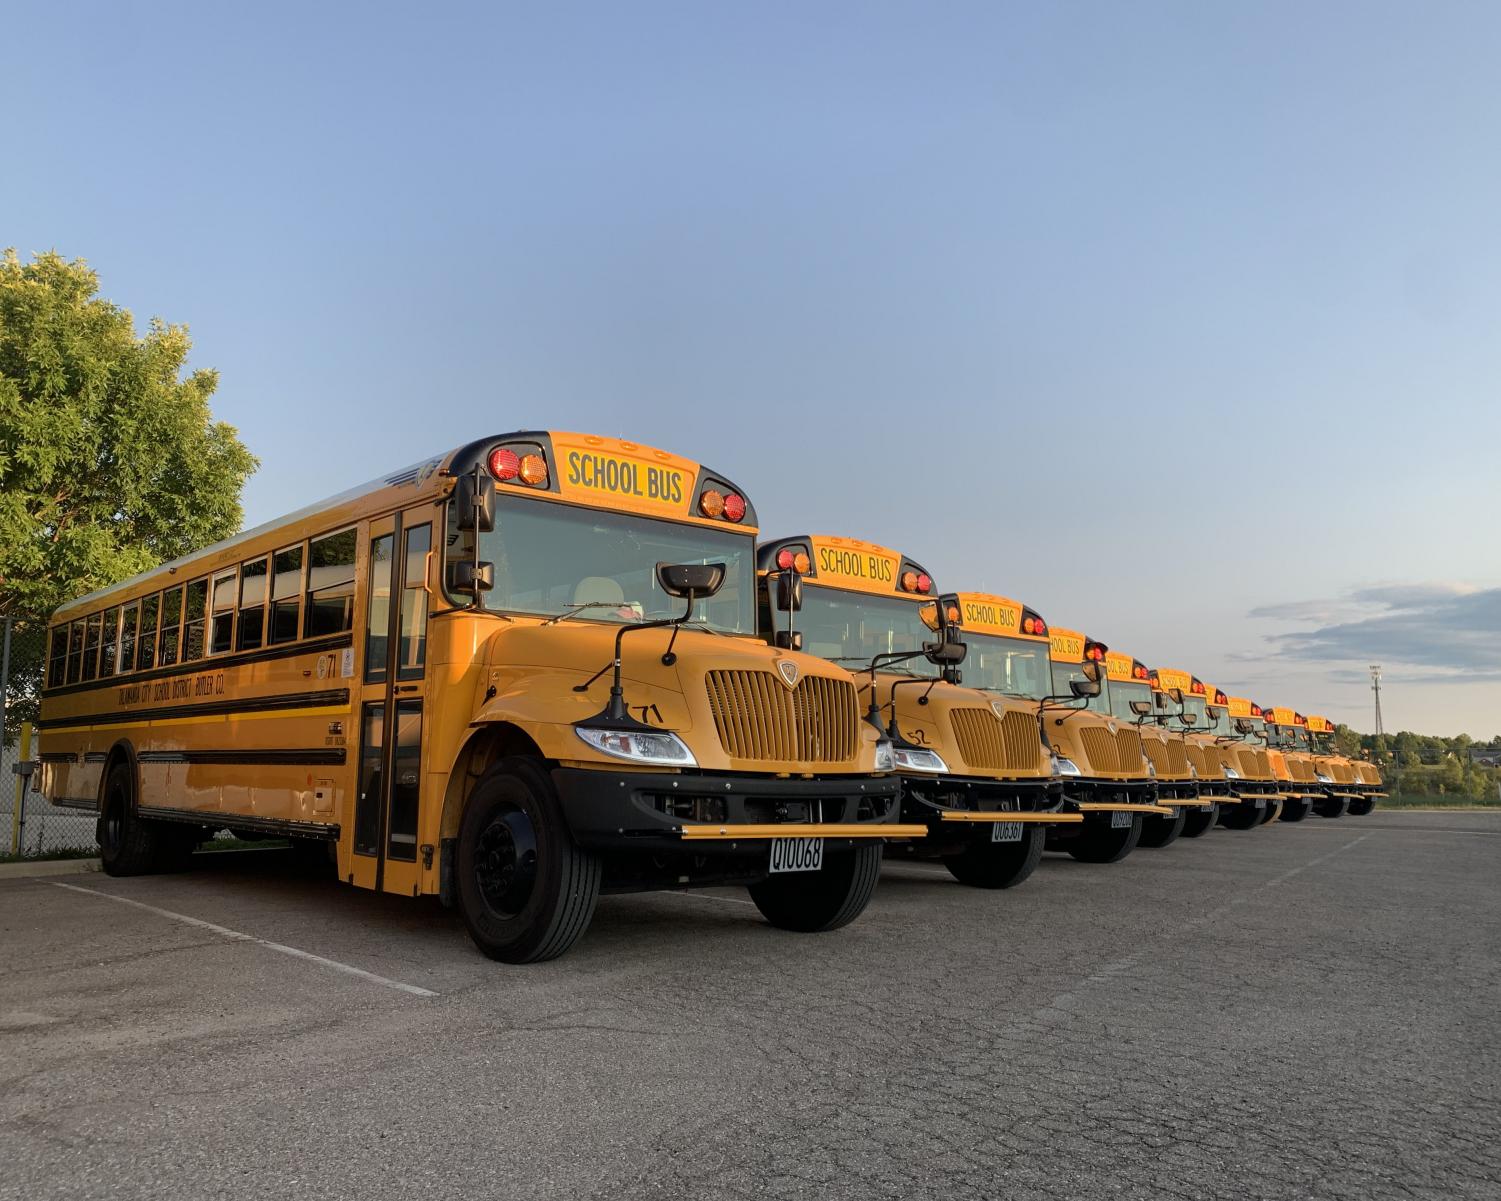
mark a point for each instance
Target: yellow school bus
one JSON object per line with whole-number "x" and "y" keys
{"x": 511, "y": 676}
{"x": 1344, "y": 790}
{"x": 1287, "y": 736}
{"x": 1106, "y": 774}
{"x": 1134, "y": 697}
{"x": 976, "y": 778}
{"x": 1185, "y": 780}
{"x": 1209, "y": 750}
{"x": 1257, "y": 790}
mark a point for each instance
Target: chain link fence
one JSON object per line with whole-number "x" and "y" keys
{"x": 35, "y": 828}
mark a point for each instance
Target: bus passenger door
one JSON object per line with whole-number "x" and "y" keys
{"x": 389, "y": 786}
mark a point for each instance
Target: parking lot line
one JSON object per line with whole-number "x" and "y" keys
{"x": 240, "y": 936}
{"x": 703, "y": 896}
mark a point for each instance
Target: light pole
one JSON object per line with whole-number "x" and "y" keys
{"x": 1376, "y": 688}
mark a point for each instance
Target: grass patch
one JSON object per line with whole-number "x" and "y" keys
{"x": 1421, "y": 801}
{"x": 239, "y": 844}
{"x": 44, "y": 856}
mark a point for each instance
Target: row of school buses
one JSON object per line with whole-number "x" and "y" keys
{"x": 546, "y": 665}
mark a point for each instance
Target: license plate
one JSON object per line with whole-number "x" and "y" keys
{"x": 1006, "y": 832}
{"x": 796, "y": 854}
{"x": 1120, "y": 819}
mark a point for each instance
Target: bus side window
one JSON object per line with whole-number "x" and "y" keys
{"x": 413, "y": 649}
{"x": 193, "y": 642}
{"x": 146, "y": 643}
{"x": 57, "y": 659}
{"x": 109, "y": 641}
{"x": 222, "y": 621}
{"x": 286, "y": 595}
{"x": 330, "y": 585}
{"x": 128, "y": 637}
{"x": 91, "y": 649}
{"x": 75, "y": 651}
{"x": 171, "y": 621}
{"x": 252, "y": 604}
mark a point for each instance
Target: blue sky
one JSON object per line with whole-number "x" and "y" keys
{"x": 1176, "y": 321}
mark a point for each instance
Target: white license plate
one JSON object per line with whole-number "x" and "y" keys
{"x": 796, "y": 854}
{"x": 1005, "y": 832}
{"x": 1120, "y": 819}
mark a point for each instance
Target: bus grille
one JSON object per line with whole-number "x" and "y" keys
{"x": 1100, "y": 750}
{"x": 758, "y": 717}
{"x": 1156, "y": 753}
{"x": 1343, "y": 774}
{"x": 1128, "y": 747}
{"x": 1177, "y": 758}
{"x": 1008, "y": 744}
{"x": 1302, "y": 770}
{"x": 1254, "y": 764}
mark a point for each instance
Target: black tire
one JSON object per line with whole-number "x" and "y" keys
{"x": 1198, "y": 822}
{"x": 1330, "y": 807}
{"x": 1271, "y": 812}
{"x": 525, "y": 890}
{"x": 1157, "y": 831}
{"x": 986, "y": 864}
{"x": 1100, "y": 842}
{"x": 1240, "y": 816}
{"x": 834, "y": 896}
{"x": 128, "y": 846}
{"x": 315, "y": 857}
{"x": 1361, "y": 807}
{"x": 1295, "y": 810}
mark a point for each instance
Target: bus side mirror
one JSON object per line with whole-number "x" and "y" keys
{"x": 789, "y": 592}
{"x": 690, "y": 581}
{"x": 1141, "y": 708}
{"x": 1176, "y": 694}
{"x": 471, "y": 578}
{"x": 474, "y": 499}
{"x": 943, "y": 618}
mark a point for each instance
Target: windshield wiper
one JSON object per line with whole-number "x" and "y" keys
{"x": 575, "y": 610}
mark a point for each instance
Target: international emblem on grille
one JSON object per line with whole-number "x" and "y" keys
{"x": 789, "y": 672}
{"x": 998, "y": 709}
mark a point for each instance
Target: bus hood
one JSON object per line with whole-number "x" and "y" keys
{"x": 974, "y": 732}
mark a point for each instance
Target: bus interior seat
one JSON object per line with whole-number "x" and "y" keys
{"x": 598, "y": 590}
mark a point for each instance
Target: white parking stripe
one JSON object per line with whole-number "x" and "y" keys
{"x": 239, "y": 936}
{"x": 702, "y": 896}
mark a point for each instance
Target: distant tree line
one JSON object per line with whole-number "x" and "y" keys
{"x": 1425, "y": 764}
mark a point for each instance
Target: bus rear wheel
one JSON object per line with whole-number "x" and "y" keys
{"x": 1198, "y": 822}
{"x": 1361, "y": 807}
{"x": 1157, "y": 831}
{"x": 833, "y": 896}
{"x": 1100, "y": 842}
{"x": 1330, "y": 807}
{"x": 525, "y": 890}
{"x": 128, "y": 844}
{"x": 987, "y": 864}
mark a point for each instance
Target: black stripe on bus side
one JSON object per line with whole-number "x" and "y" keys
{"x": 58, "y": 757}
{"x": 215, "y": 820}
{"x": 326, "y": 698}
{"x": 95, "y": 756}
{"x": 294, "y": 756}
{"x": 285, "y": 650}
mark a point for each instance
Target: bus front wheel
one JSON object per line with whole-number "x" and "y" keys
{"x": 525, "y": 890}
{"x": 1330, "y": 807}
{"x": 1198, "y": 822}
{"x": 1240, "y": 816}
{"x": 1162, "y": 831}
{"x": 833, "y": 896}
{"x": 1361, "y": 807}
{"x": 1294, "y": 810}
{"x": 1102, "y": 842}
{"x": 987, "y": 864}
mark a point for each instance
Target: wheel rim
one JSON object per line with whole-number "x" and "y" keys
{"x": 505, "y": 862}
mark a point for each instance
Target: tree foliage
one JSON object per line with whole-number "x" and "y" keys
{"x": 110, "y": 460}
{"x": 1425, "y": 764}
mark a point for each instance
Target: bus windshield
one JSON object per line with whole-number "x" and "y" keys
{"x": 1010, "y": 665}
{"x": 1063, "y": 673}
{"x": 1122, "y": 693}
{"x": 553, "y": 559}
{"x": 1195, "y": 705}
{"x": 851, "y": 628}
{"x": 1219, "y": 721}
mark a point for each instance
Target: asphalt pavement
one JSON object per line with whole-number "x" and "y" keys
{"x": 1297, "y": 1011}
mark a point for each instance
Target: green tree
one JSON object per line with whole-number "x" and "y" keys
{"x": 110, "y": 460}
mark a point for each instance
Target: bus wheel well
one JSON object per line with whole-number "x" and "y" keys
{"x": 484, "y": 748}
{"x": 121, "y": 752}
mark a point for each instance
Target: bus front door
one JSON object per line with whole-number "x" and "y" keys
{"x": 389, "y": 787}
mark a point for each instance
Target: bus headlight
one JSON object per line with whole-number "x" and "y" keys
{"x": 1324, "y": 779}
{"x": 1193, "y": 772}
{"x": 1151, "y": 770}
{"x": 1231, "y": 773}
{"x": 885, "y": 760}
{"x": 640, "y": 746}
{"x": 915, "y": 758}
{"x": 1065, "y": 767}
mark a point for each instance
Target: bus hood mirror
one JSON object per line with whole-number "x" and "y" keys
{"x": 689, "y": 581}
{"x": 1189, "y": 719}
{"x": 1176, "y": 694}
{"x": 1242, "y": 726}
{"x": 1083, "y": 688}
{"x": 471, "y": 578}
{"x": 790, "y": 640}
{"x": 1141, "y": 708}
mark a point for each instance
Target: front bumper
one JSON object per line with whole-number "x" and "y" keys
{"x": 664, "y": 811}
